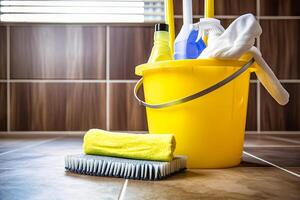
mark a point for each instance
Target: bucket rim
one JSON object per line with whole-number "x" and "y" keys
{"x": 168, "y": 64}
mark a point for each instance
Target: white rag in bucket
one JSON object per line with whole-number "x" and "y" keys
{"x": 239, "y": 39}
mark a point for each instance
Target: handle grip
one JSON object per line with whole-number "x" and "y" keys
{"x": 192, "y": 96}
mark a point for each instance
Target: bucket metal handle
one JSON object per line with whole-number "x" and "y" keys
{"x": 195, "y": 95}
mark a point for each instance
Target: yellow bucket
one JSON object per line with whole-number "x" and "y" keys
{"x": 203, "y": 103}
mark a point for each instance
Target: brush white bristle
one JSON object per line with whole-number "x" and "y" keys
{"x": 125, "y": 168}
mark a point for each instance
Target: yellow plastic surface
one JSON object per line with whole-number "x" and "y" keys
{"x": 161, "y": 50}
{"x": 169, "y": 18}
{"x": 210, "y": 129}
{"x": 209, "y": 9}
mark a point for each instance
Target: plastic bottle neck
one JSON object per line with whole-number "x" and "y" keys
{"x": 161, "y": 38}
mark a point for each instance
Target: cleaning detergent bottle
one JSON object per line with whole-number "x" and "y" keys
{"x": 186, "y": 45}
{"x": 161, "y": 49}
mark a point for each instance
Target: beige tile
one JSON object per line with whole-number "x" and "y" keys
{"x": 232, "y": 183}
{"x": 38, "y": 172}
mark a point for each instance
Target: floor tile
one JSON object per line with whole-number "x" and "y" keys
{"x": 284, "y": 156}
{"x": 294, "y": 169}
{"x": 257, "y": 140}
{"x": 232, "y": 183}
{"x": 8, "y": 144}
{"x": 54, "y": 183}
{"x": 38, "y": 173}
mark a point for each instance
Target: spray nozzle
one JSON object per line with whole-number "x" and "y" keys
{"x": 209, "y": 27}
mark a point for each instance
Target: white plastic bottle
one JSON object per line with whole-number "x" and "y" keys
{"x": 186, "y": 45}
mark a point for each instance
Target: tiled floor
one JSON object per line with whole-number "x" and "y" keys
{"x": 32, "y": 167}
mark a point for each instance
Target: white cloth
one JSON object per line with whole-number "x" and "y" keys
{"x": 239, "y": 39}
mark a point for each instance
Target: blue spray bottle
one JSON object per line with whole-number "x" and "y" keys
{"x": 186, "y": 45}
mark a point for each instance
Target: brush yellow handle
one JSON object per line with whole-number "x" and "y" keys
{"x": 209, "y": 9}
{"x": 169, "y": 19}
{"x": 208, "y": 13}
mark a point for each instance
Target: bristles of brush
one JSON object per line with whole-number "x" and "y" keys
{"x": 125, "y": 168}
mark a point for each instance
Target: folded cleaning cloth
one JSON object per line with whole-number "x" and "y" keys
{"x": 158, "y": 147}
{"x": 239, "y": 39}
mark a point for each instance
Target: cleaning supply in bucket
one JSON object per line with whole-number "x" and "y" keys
{"x": 129, "y": 145}
{"x": 237, "y": 40}
{"x": 209, "y": 28}
{"x": 186, "y": 45}
{"x": 135, "y": 156}
{"x": 203, "y": 102}
{"x": 161, "y": 49}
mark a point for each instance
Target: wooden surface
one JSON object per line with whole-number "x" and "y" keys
{"x": 125, "y": 112}
{"x": 3, "y": 52}
{"x": 280, "y": 7}
{"x": 58, "y": 52}
{"x": 129, "y": 47}
{"x": 48, "y": 52}
{"x": 57, "y": 107}
{"x": 281, "y": 118}
{"x": 222, "y": 7}
{"x": 280, "y": 47}
{"x": 3, "y": 107}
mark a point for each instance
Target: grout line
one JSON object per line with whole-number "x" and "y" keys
{"x": 29, "y": 146}
{"x": 82, "y": 132}
{"x": 279, "y": 17}
{"x": 274, "y": 132}
{"x": 43, "y": 132}
{"x": 258, "y": 116}
{"x": 271, "y": 146}
{"x": 125, "y": 81}
{"x": 253, "y": 81}
{"x": 274, "y": 165}
{"x": 258, "y": 9}
{"x": 289, "y": 81}
{"x": 8, "y": 77}
{"x": 284, "y": 139}
{"x": 216, "y": 16}
{"x": 107, "y": 103}
{"x": 105, "y": 81}
{"x": 258, "y": 16}
{"x": 258, "y": 107}
{"x": 123, "y": 191}
{"x": 55, "y": 81}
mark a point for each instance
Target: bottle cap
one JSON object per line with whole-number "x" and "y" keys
{"x": 161, "y": 27}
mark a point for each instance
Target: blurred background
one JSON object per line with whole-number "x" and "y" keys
{"x": 62, "y": 77}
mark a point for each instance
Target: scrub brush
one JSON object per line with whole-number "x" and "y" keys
{"x": 121, "y": 167}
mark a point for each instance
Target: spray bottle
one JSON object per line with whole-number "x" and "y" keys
{"x": 186, "y": 45}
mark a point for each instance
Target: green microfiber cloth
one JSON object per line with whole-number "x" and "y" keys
{"x": 158, "y": 147}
